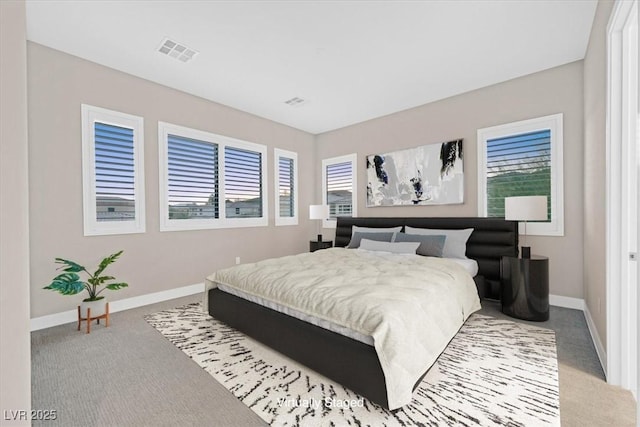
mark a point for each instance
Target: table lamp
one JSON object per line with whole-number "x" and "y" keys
{"x": 319, "y": 212}
{"x": 525, "y": 208}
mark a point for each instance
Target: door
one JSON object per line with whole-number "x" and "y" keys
{"x": 623, "y": 329}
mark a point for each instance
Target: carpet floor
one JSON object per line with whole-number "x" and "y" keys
{"x": 130, "y": 375}
{"x": 495, "y": 372}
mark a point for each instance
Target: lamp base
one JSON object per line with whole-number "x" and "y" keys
{"x": 526, "y": 252}
{"x": 319, "y": 237}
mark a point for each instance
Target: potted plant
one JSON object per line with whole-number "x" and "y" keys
{"x": 70, "y": 283}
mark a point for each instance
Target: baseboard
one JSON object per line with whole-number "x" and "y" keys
{"x": 595, "y": 337}
{"x": 56, "y": 319}
{"x": 567, "y": 302}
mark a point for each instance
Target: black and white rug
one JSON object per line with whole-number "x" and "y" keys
{"x": 495, "y": 372}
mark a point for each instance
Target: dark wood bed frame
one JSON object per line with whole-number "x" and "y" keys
{"x": 346, "y": 361}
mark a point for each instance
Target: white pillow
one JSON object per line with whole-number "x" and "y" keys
{"x": 455, "y": 246}
{"x": 393, "y": 247}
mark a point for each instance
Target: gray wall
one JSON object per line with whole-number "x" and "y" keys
{"x": 595, "y": 99}
{"x": 558, "y": 90}
{"x": 15, "y": 356}
{"x": 154, "y": 261}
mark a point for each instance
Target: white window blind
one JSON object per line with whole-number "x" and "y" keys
{"x": 339, "y": 187}
{"x": 518, "y": 165}
{"x": 285, "y": 187}
{"x": 192, "y": 178}
{"x": 243, "y": 183}
{"x": 286, "y": 183}
{"x": 113, "y": 174}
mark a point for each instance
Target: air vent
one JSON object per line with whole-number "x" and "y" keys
{"x": 177, "y": 50}
{"x": 296, "y": 102}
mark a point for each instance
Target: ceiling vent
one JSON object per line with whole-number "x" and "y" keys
{"x": 177, "y": 50}
{"x": 295, "y": 102}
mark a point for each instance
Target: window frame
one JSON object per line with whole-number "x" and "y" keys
{"x": 166, "y": 224}
{"x": 353, "y": 158}
{"x": 277, "y": 154}
{"x": 92, "y": 227}
{"x": 554, "y": 123}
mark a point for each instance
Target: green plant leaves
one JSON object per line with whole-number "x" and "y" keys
{"x": 70, "y": 265}
{"x": 105, "y": 263}
{"x": 67, "y": 284}
{"x": 116, "y": 286}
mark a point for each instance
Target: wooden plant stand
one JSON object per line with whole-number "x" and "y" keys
{"x": 89, "y": 318}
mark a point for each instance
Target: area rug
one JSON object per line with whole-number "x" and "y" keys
{"x": 495, "y": 372}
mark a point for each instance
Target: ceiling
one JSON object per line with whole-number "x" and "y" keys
{"x": 350, "y": 61}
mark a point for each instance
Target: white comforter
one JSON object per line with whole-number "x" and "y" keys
{"x": 411, "y": 305}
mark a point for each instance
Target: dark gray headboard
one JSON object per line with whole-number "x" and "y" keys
{"x": 491, "y": 238}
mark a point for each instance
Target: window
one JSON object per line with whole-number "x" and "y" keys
{"x": 522, "y": 159}
{"x": 192, "y": 178}
{"x": 286, "y": 181}
{"x": 195, "y": 178}
{"x": 113, "y": 172}
{"x": 243, "y": 183}
{"x": 339, "y": 186}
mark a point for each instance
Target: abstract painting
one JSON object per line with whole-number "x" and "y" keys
{"x": 428, "y": 175}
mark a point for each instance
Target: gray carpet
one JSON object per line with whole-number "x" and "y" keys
{"x": 130, "y": 375}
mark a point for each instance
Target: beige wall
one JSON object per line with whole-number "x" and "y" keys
{"x": 558, "y": 90}
{"x": 58, "y": 83}
{"x": 595, "y": 98}
{"x": 15, "y": 351}
{"x": 154, "y": 261}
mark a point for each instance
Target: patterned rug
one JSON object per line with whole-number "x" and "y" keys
{"x": 495, "y": 372}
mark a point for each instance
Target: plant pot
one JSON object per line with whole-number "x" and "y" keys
{"x": 98, "y": 307}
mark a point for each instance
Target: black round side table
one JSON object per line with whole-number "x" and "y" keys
{"x": 524, "y": 290}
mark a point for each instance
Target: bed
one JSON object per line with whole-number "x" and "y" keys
{"x": 347, "y": 359}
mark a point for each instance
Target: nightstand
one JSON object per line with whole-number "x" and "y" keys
{"x": 314, "y": 245}
{"x": 524, "y": 287}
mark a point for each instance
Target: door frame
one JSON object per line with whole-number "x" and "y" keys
{"x": 622, "y": 196}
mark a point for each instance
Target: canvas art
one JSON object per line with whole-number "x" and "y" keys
{"x": 428, "y": 175}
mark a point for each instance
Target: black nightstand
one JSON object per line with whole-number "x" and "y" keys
{"x": 314, "y": 245}
{"x": 524, "y": 290}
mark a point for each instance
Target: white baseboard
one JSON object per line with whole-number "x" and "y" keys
{"x": 567, "y": 302}
{"x": 56, "y": 319}
{"x": 595, "y": 337}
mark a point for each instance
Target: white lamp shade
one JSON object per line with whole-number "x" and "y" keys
{"x": 318, "y": 211}
{"x": 525, "y": 208}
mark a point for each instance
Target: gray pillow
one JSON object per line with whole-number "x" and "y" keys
{"x": 393, "y": 247}
{"x": 456, "y": 244}
{"x": 380, "y": 237}
{"x": 429, "y": 245}
{"x": 358, "y": 229}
